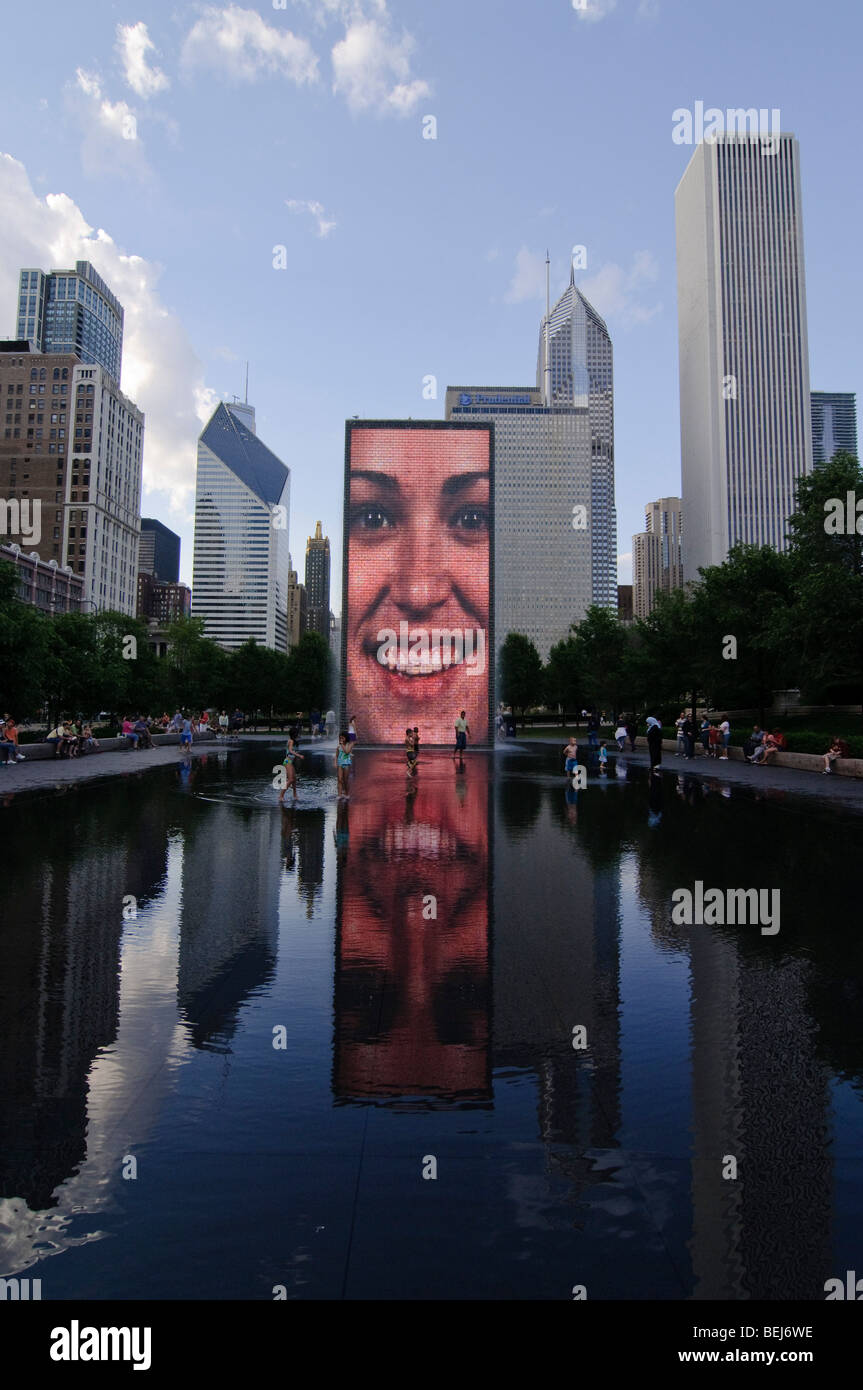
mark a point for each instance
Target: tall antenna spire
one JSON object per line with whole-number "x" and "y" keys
{"x": 247, "y": 383}
{"x": 547, "y": 373}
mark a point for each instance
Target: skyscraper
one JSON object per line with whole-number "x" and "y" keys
{"x": 73, "y": 444}
{"x": 657, "y": 555}
{"x": 318, "y": 583}
{"x": 296, "y": 609}
{"x": 834, "y": 424}
{"x": 241, "y": 559}
{"x": 72, "y": 311}
{"x": 159, "y": 551}
{"x": 555, "y": 529}
{"x": 745, "y": 427}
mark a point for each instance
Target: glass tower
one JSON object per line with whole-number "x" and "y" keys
{"x": 72, "y": 311}
{"x": 241, "y": 558}
{"x": 581, "y": 377}
{"x": 834, "y": 424}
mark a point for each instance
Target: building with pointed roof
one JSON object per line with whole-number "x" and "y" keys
{"x": 242, "y": 511}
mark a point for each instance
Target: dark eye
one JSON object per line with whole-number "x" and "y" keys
{"x": 470, "y": 519}
{"x": 371, "y": 518}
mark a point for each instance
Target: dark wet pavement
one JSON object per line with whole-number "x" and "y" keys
{"x": 431, "y": 950}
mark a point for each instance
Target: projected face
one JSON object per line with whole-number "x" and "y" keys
{"x": 418, "y": 598}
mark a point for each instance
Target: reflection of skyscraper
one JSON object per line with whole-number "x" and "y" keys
{"x": 412, "y": 989}
{"x": 229, "y": 922}
{"x": 241, "y": 559}
{"x": 59, "y": 981}
{"x": 310, "y": 868}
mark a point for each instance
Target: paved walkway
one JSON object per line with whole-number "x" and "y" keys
{"x": 46, "y": 774}
{"x": 838, "y": 791}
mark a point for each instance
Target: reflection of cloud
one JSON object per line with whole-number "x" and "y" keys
{"x": 240, "y": 44}
{"x": 133, "y": 45}
{"x": 316, "y": 210}
{"x": 528, "y": 282}
{"x": 161, "y": 371}
{"x": 614, "y": 292}
{"x": 110, "y": 128}
{"x": 371, "y": 69}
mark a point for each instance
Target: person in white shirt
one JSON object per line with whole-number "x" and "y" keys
{"x": 725, "y": 730}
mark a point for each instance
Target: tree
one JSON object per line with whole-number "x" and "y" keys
{"x": 311, "y": 671}
{"x": 25, "y": 649}
{"x": 563, "y": 681}
{"x": 825, "y": 629}
{"x": 601, "y": 651}
{"x": 520, "y": 674}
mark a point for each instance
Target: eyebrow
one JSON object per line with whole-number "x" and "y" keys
{"x": 372, "y": 475}
{"x": 459, "y": 481}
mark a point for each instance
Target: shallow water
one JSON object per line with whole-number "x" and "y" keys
{"x": 425, "y": 951}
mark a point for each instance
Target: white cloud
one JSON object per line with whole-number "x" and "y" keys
{"x": 371, "y": 68}
{"x": 111, "y": 143}
{"x": 617, "y": 293}
{"x": 243, "y": 46}
{"x": 316, "y": 210}
{"x": 624, "y": 568}
{"x": 591, "y": 11}
{"x": 133, "y": 45}
{"x": 161, "y": 371}
{"x": 226, "y": 354}
{"x": 528, "y": 282}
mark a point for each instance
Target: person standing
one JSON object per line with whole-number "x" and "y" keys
{"x": 654, "y": 742}
{"x": 343, "y": 761}
{"x": 570, "y": 754}
{"x": 620, "y": 735}
{"x": 186, "y": 733}
{"x": 352, "y": 730}
{"x": 461, "y": 732}
{"x": 725, "y": 730}
{"x": 681, "y": 737}
{"x": 290, "y": 765}
{"x": 689, "y": 737}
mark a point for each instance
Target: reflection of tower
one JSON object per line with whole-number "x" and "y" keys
{"x": 229, "y": 922}
{"x": 578, "y": 985}
{"x": 412, "y": 991}
{"x": 310, "y": 844}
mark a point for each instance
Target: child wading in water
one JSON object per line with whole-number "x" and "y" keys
{"x": 410, "y": 751}
{"x": 603, "y": 757}
{"x": 289, "y": 761}
{"x": 570, "y": 752}
{"x": 343, "y": 761}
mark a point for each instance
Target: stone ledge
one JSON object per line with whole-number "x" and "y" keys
{"x": 39, "y": 752}
{"x": 803, "y": 762}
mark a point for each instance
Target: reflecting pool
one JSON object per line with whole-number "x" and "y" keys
{"x": 441, "y": 1040}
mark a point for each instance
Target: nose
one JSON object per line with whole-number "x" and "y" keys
{"x": 420, "y": 583}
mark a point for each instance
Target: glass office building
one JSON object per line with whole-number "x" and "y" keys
{"x": 834, "y": 424}
{"x": 555, "y": 527}
{"x": 241, "y": 557}
{"x": 72, "y": 311}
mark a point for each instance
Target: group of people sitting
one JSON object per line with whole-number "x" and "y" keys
{"x": 9, "y": 742}
{"x": 72, "y": 738}
{"x": 762, "y": 745}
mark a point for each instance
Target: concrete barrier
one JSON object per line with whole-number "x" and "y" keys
{"x": 38, "y": 752}
{"x": 803, "y": 762}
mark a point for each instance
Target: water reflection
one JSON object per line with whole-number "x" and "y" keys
{"x": 412, "y": 986}
{"x": 552, "y": 916}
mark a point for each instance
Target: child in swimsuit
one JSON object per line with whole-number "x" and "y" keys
{"x": 290, "y": 764}
{"x": 343, "y": 761}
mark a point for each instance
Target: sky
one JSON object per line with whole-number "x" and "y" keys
{"x": 179, "y": 146}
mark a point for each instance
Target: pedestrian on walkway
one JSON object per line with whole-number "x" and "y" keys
{"x": 654, "y": 742}
{"x": 689, "y": 738}
{"x": 725, "y": 730}
{"x": 620, "y": 735}
{"x": 681, "y": 737}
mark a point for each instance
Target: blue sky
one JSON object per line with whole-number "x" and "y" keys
{"x": 302, "y": 127}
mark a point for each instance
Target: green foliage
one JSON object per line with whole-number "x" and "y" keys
{"x": 520, "y": 672}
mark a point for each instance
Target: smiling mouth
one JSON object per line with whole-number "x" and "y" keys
{"x": 416, "y": 668}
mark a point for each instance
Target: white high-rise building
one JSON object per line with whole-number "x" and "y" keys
{"x": 745, "y": 426}
{"x": 242, "y": 511}
{"x": 102, "y": 502}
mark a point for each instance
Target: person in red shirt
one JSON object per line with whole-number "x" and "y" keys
{"x": 838, "y": 749}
